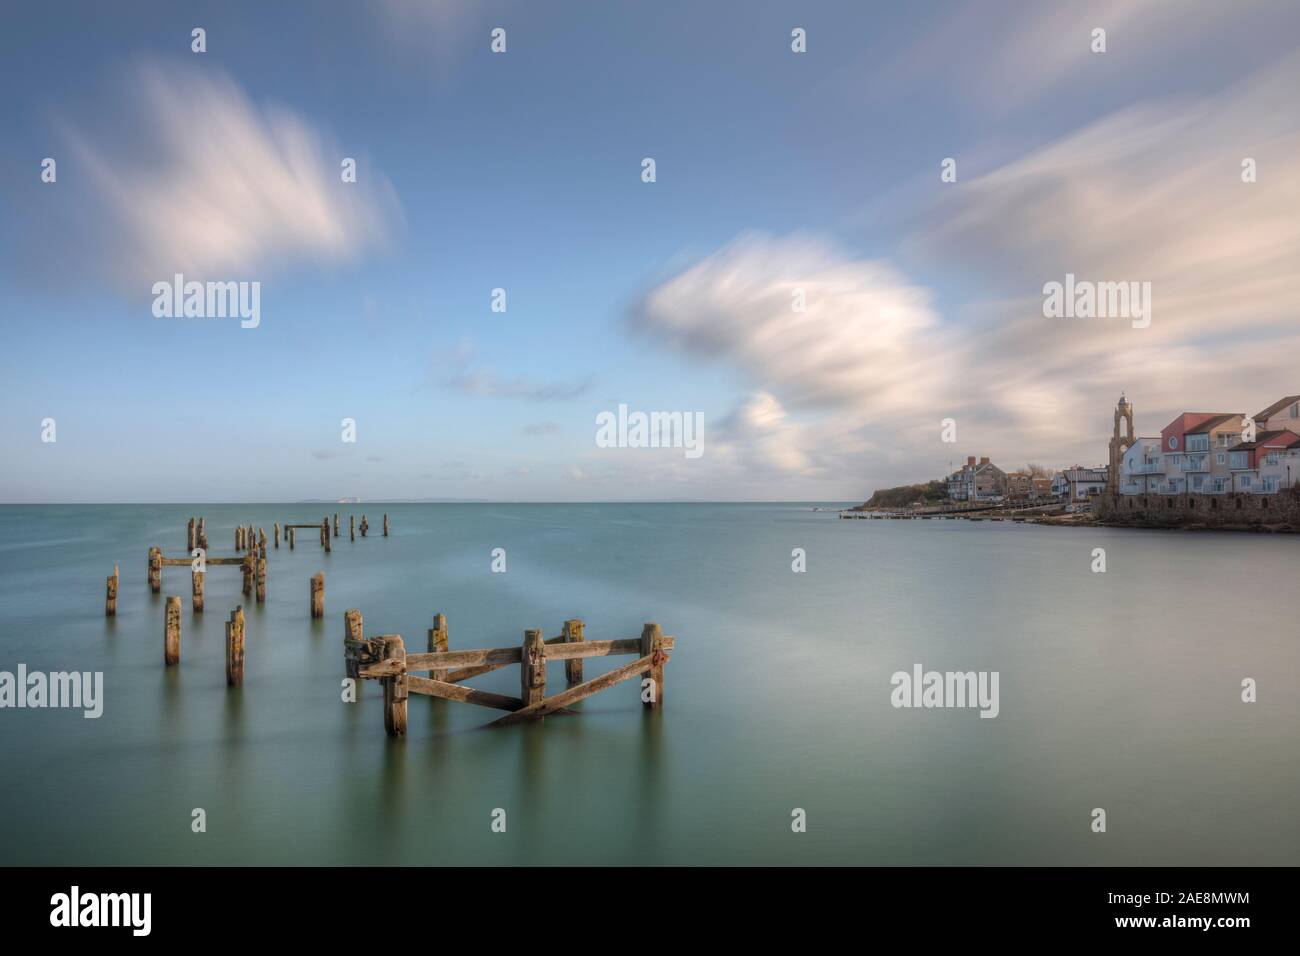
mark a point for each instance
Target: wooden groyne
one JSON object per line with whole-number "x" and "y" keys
{"x": 252, "y": 564}
{"x": 385, "y": 659}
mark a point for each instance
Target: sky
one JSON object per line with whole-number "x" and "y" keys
{"x": 779, "y": 176}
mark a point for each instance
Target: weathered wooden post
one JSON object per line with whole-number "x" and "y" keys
{"x": 652, "y": 643}
{"x": 201, "y": 539}
{"x": 261, "y": 580}
{"x": 239, "y": 537}
{"x": 352, "y": 631}
{"x": 318, "y": 594}
{"x": 573, "y": 635}
{"x": 438, "y": 643}
{"x": 336, "y": 524}
{"x": 277, "y": 534}
{"x": 261, "y": 542}
{"x": 352, "y": 527}
{"x": 532, "y": 668}
{"x": 172, "y": 631}
{"x": 155, "y": 570}
{"x": 364, "y": 526}
{"x": 395, "y": 692}
{"x": 189, "y": 536}
{"x": 196, "y": 578}
{"x": 110, "y": 595}
{"x": 235, "y": 648}
{"x": 385, "y": 525}
{"x": 248, "y": 569}
{"x": 325, "y": 534}
{"x": 292, "y": 536}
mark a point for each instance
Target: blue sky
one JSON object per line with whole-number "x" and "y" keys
{"x": 521, "y": 170}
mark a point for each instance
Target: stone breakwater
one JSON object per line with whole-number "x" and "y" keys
{"x": 1240, "y": 511}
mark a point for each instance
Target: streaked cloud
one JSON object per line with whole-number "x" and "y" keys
{"x": 196, "y": 178}
{"x": 865, "y": 341}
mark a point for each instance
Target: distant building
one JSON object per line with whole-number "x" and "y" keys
{"x": 1079, "y": 485}
{"x": 1021, "y": 485}
{"x": 977, "y": 481}
{"x": 1195, "y": 451}
{"x": 1265, "y": 465}
{"x": 1282, "y": 415}
{"x": 1142, "y": 468}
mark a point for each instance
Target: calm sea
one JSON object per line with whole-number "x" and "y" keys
{"x": 1118, "y": 690}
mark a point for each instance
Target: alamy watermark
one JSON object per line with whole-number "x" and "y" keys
{"x": 84, "y": 691}
{"x": 922, "y": 688}
{"x": 208, "y": 300}
{"x": 1083, "y": 299}
{"x": 651, "y": 430}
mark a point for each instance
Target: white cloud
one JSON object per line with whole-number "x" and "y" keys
{"x": 198, "y": 179}
{"x": 866, "y": 340}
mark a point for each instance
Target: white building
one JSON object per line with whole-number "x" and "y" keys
{"x": 1142, "y": 469}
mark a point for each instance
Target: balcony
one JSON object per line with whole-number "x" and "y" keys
{"x": 1145, "y": 470}
{"x": 1196, "y": 463}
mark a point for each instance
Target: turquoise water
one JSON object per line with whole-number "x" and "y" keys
{"x": 1118, "y": 690}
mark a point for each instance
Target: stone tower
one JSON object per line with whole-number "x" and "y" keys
{"x": 1119, "y": 443}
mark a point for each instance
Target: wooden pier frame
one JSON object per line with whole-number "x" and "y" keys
{"x": 322, "y": 533}
{"x": 385, "y": 659}
{"x": 247, "y": 563}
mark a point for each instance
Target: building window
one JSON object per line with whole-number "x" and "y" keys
{"x": 1221, "y": 458}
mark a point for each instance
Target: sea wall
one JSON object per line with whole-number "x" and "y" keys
{"x": 1278, "y": 512}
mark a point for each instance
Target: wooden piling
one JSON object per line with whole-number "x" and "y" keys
{"x": 352, "y": 527}
{"x": 235, "y": 648}
{"x": 261, "y": 542}
{"x": 395, "y": 689}
{"x": 196, "y": 581}
{"x": 336, "y": 524}
{"x": 292, "y": 536}
{"x": 573, "y": 634}
{"x": 190, "y": 537}
{"x": 318, "y": 594}
{"x": 248, "y": 569}
{"x": 325, "y": 534}
{"x": 277, "y": 534}
{"x": 364, "y": 526}
{"x": 261, "y": 580}
{"x": 385, "y": 525}
{"x": 201, "y": 536}
{"x": 652, "y": 643}
{"x": 172, "y": 631}
{"x": 110, "y": 594}
{"x": 438, "y": 643}
{"x": 352, "y": 631}
{"x": 532, "y": 668}
{"x": 239, "y": 537}
{"x": 155, "y": 570}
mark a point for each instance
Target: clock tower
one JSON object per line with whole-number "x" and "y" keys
{"x": 1119, "y": 443}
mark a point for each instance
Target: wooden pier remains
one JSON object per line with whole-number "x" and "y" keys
{"x": 252, "y": 564}
{"x": 318, "y": 594}
{"x": 172, "y": 631}
{"x": 110, "y": 595}
{"x": 235, "y": 648}
{"x": 385, "y": 659}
